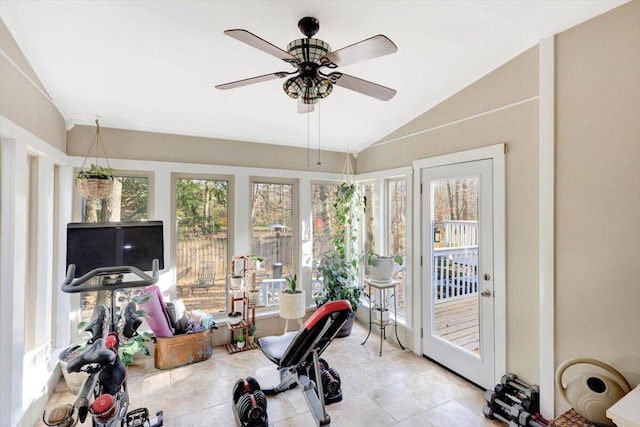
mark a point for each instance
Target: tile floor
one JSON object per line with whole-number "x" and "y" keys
{"x": 398, "y": 389}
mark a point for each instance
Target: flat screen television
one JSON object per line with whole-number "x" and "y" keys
{"x": 110, "y": 244}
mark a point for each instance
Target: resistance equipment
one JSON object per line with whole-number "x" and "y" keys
{"x": 250, "y": 403}
{"x": 514, "y": 402}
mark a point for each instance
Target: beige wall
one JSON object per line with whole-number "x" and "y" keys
{"x": 23, "y": 99}
{"x": 598, "y": 191}
{"x": 509, "y": 95}
{"x": 135, "y": 145}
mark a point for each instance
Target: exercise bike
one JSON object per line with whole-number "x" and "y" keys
{"x": 104, "y": 394}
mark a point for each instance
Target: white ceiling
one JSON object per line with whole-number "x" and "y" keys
{"x": 153, "y": 65}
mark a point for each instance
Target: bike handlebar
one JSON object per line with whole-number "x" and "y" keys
{"x": 71, "y": 285}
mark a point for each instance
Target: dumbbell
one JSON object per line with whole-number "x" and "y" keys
{"x": 530, "y": 405}
{"x": 527, "y": 421}
{"x": 512, "y": 380}
{"x": 491, "y": 413}
{"x": 514, "y": 411}
{"x": 244, "y": 385}
{"x": 250, "y": 403}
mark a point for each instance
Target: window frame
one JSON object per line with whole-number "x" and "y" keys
{"x": 174, "y": 226}
{"x": 295, "y": 221}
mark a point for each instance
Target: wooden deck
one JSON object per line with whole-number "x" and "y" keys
{"x": 457, "y": 322}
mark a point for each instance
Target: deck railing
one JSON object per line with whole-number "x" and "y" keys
{"x": 455, "y": 272}
{"x": 460, "y": 233}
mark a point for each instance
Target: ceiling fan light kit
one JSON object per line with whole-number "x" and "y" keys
{"x": 308, "y": 83}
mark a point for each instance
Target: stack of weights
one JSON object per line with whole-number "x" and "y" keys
{"x": 515, "y": 403}
{"x": 250, "y": 403}
{"x": 331, "y": 384}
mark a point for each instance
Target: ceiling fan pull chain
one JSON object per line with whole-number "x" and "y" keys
{"x": 318, "y": 162}
{"x": 308, "y": 143}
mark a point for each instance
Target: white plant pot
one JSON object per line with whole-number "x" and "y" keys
{"x": 382, "y": 270}
{"x": 73, "y": 380}
{"x": 382, "y": 315}
{"x": 235, "y": 318}
{"x": 292, "y": 306}
{"x": 236, "y": 282}
{"x": 240, "y": 344}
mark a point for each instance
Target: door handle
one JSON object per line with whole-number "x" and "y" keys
{"x": 486, "y": 293}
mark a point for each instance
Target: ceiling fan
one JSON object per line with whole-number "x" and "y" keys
{"x": 308, "y": 83}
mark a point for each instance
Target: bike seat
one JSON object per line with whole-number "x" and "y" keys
{"x": 95, "y": 353}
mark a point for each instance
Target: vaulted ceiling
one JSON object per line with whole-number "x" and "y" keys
{"x": 153, "y": 65}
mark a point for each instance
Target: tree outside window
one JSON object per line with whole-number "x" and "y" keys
{"x": 129, "y": 201}
{"x": 202, "y": 243}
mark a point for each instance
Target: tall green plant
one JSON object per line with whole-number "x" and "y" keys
{"x": 339, "y": 269}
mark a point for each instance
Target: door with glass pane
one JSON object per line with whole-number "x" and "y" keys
{"x": 457, "y": 239}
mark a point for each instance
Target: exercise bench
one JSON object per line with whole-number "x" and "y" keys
{"x": 297, "y": 355}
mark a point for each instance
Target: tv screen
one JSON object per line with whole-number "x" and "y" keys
{"x": 110, "y": 244}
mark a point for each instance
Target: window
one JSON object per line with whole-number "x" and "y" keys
{"x": 396, "y": 231}
{"x": 273, "y": 230}
{"x": 202, "y": 244}
{"x": 128, "y": 202}
{"x": 323, "y": 223}
{"x": 369, "y": 223}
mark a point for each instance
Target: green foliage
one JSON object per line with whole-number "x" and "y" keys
{"x": 201, "y": 207}
{"x": 339, "y": 278}
{"x": 127, "y": 350}
{"x": 253, "y": 329}
{"x": 339, "y": 269}
{"x": 240, "y": 337}
{"x": 293, "y": 284}
{"x": 370, "y": 258}
{"x": 96, "y": 172}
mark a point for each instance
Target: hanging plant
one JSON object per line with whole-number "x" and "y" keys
{"x": 97, "y": 181}
{"x": 339, "y": 269}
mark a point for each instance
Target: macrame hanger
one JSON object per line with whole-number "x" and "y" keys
{"x": 347, "y": 170}
{"x": 97, "y": 141}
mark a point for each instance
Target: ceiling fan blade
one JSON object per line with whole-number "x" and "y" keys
{"x": 252, "y": 80}
{"x": 304, "y": 108}
{"x": 364, "y": 87}
{"x": 259, "y": 43}
{"x": 366, "y": 49}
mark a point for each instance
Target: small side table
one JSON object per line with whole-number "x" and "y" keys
{"x": 383, "y": 288}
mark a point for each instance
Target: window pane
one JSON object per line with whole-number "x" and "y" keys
{"x": 272, "y": 236}
{"x": 128, "y": 202}
{"x": 369, "y": 224}
{"x": 323, "y": 223}
{"x": 202, "y": 245}
{"x": 397, "y": 220}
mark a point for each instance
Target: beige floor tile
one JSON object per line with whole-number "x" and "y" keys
{"x": 455, "y": 414}
{"x": 398, "y": 389}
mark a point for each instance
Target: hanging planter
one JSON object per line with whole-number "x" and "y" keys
{"x": 97, "y": 181}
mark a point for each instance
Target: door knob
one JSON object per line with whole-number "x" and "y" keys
{"x": 486, "y": 276}
{"x": 486, "y": 293}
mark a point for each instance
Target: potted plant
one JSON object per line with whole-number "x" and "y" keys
{"x": 339, "y": 269}
{"x": 240, "y": 340}
{"x": 237, "y": 281}
{"x": 95, "y": 182}
{"x": 137, "y": 344}
{"x": 73, "y": 380}
{"x": 235, "y": 318}
{"x": 381, "y": 267}
{"x": 292, "y": 300}
{"x": 251, "y": 333}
